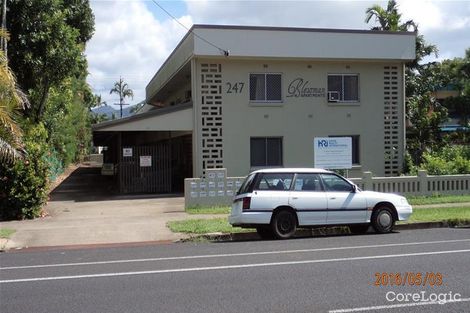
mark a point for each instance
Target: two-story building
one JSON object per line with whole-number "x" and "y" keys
{"x": 244, "y": 98}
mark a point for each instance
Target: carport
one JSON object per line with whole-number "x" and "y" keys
{"x": 151, "y": 152}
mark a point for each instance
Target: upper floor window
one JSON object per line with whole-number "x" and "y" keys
{"x": 343, "y": 87}
{"x": 265, "y": 87}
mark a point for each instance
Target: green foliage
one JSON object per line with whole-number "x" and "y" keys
{"x": 47, "y": 44}
{"x": 425, "y": 115}
{"x": 66, "y": 120}
{"x": 449, "y": 160}
{"x": 25, "y": 184}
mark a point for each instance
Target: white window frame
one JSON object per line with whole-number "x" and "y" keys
{"x": 341, "y": 100}
{"x": 265, "y": 89}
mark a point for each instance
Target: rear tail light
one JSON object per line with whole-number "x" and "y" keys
{"x": 246, "y": 203}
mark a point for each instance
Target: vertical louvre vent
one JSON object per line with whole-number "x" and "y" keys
{"x": 211, "y": 116}
{"x": 391, "y": 122}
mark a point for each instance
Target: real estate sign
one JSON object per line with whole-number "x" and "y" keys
{"x": 332, "y": 152}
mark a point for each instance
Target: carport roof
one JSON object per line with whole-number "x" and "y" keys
{"x": 174, "y": 118}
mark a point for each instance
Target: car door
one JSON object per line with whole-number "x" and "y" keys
{"x": 271, "y": 190}
{"x": 344, "y": 204}
{"x": 308, "y": 198}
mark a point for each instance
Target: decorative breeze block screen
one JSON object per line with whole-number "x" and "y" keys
{"x": 211, "y": 116}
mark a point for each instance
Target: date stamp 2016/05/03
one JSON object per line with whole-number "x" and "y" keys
{"x": 422, "y": 279}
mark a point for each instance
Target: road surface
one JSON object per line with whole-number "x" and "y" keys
{"x": 323, "y": 274}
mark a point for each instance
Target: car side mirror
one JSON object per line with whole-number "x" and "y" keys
{"x": 354, "y": 189}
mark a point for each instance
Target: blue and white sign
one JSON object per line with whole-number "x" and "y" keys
{"x": 332, "y": 152}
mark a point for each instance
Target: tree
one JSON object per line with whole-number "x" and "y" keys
{"x": 47, "y": 44}
{"x": 425, "y": 115}
{"x": 389, "y": 18}
{"x": 422, "y": 110}
{"x": 122, "y": 89}
{"x": 12, "y": 100}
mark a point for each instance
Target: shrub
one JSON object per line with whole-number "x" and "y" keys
{"x": 450, "y": 160}
{"x": 25, "y": 183}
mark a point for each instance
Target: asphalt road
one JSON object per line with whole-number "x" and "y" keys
{"x": 323, "y": 274}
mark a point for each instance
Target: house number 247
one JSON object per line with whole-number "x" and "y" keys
{"x": 235, "y": 87}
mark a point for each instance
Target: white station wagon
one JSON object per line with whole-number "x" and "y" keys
{"x": 278, "y": 201}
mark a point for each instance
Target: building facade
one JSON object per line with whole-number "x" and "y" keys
{"x": 256, "y": 97}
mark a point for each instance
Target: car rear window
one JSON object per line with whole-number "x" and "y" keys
{"x": 274, "y": 181}
{"x": 246, "y": 186}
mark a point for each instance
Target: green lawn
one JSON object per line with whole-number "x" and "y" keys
{"x": 6, "y": 232}
{"x": 204, "y": 226}
{"x": 455, "y": 216}
{"x": 452, "y": 215}
{"x": 421, "y": 200}
{"x": 208, "y": 210}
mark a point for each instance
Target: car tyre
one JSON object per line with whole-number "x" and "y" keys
{"x": 359, "y": 228}
{"x": 284, "y": 224}
{"x": 382, "y": 220}
{"x": 265, "y": 232}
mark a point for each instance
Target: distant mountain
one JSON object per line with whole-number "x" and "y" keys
{"x": 109, "y": 110}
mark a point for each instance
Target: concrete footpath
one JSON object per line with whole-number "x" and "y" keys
{"x": 83, "y": 211}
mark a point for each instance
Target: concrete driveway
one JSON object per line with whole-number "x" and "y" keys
{"x": 83, "y": 210}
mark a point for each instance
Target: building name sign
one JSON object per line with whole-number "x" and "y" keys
{"x": 301, "y": 88}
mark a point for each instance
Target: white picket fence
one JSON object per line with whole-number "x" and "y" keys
{"x": 218, "y": 190}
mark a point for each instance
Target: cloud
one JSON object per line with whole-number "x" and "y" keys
{"x": 129, "y": 42}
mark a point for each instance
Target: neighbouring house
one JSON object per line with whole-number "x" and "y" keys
{"x": 244, "y": 98}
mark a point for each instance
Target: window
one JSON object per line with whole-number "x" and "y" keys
{"x": 343, "y": 88}
{"x": 308, "y": 182}
{"x": 355, "y": 148}
{"x": 265, "y": 151}
{"x": 274, "y": 181}
{"x": 335, "y": 183}
{"x": 265, "y": 88}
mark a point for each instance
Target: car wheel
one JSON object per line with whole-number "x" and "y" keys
{"x": 382, "y": 220}
{"x": 359, "y": 228}
{"x": 284, "y": 224}
{"x": 264, "y": 232}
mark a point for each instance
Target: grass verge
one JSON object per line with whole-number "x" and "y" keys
{"x": 6, "y": 232}
{"x": 454, "y": 216}
{"x": 205, "y": 226}
{"x": 437, "y": 199}
{"x": 208, "y": 210}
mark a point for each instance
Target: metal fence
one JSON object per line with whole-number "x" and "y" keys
{"x": 218, "y": 190}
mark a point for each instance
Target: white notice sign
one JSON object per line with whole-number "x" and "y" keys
{"x": 145, "y": 161}
{"x": 127, "y": 152}
{"x": 332, "y": 152}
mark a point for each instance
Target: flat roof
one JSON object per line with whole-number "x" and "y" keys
{"x": 288, "y": 43}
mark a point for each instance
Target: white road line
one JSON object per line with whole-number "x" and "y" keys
{"x": 207, "y": 256}
{"x": 394, "y": 306}
{"x": 227, "y": 267}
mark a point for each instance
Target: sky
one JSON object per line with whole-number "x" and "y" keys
{"x": 133, "y": 38}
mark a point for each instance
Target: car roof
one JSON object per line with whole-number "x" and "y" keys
{"x": 292, "y": 170}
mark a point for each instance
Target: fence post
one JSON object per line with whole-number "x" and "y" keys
{"x": 367, "y": 181}
{"x": 423, "y": 182}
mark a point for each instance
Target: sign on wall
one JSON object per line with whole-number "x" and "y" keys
{"x": 332, "y": 152}
{"x": 146, "y": 161}
{"x": 127, "y": 152}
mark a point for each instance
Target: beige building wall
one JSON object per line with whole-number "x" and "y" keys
{"x": 299, "y": 119}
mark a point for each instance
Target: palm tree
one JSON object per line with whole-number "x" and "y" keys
{"x": 12, "y": 100}
{"x": 389, "y": 18}
{"x": 122, "y": 89}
